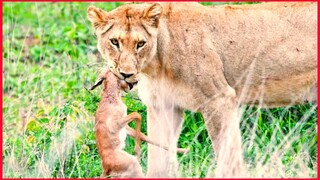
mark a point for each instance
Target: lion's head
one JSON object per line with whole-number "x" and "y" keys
{"x": 127, "y": 37}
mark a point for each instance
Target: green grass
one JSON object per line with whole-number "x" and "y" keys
{"x": 50, "y": 55}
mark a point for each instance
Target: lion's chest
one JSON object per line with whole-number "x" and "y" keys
{"x": 165, "y": 92}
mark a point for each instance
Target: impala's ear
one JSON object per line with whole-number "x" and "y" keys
{"x": 98, "y": 17}
{"x": 152, "y": 14}
{"x": 101, "y": 77}
{"x": 98, "y": 82}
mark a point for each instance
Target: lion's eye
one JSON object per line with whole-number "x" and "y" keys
{"x": 140, "y": 44}
{"x": 115, "y": 42}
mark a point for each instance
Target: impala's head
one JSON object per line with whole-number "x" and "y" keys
{"x": 127, "y": 37}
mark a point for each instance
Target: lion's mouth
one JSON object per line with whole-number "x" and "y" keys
{"x": 131, "y": 81}
{"x": 131, "y": 85}
{"x": 127, "y": 86}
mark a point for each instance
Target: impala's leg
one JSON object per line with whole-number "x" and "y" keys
{"x": 134, "y": 116}
{"x": 222, "y": 123}
{"x": 164, "y": 126}
{"x": 132, "y": 132}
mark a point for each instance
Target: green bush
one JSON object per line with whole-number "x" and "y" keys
{"x": 50, "y": 56}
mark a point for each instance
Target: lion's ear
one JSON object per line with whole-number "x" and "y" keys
{"x": 98, "y": 17}
{"x": 152, "y": 14}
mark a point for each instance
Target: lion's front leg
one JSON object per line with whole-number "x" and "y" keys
{"x": 164, "y": 126}
{"x": 222, "y": 122}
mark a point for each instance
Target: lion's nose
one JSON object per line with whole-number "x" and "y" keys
{"x": 126, "y": 75}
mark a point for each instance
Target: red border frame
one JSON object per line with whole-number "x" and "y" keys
{"x": 1, "y": 85}
{"x": 156, "y": 1}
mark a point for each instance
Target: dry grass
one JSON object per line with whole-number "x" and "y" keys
{"x": 49, "y": 55}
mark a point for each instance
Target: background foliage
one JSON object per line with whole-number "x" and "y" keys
{"x": 50, "y": 56}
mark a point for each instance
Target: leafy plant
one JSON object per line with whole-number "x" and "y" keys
{"x": 50, "y": 56}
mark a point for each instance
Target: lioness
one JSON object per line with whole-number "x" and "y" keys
{"x": 211, "y": 60}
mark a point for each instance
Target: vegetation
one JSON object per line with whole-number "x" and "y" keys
{"x": 50, "y": 56}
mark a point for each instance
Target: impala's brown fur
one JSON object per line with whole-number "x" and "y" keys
{"x": 111, "y": 127}
{"x": 111, "y": 121}
{"x": 210, "y": 59}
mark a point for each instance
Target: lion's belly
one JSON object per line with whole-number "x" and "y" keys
{"x": 281, "y": 91}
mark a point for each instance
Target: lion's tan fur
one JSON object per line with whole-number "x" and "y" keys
{"x": 211, "y": 59}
